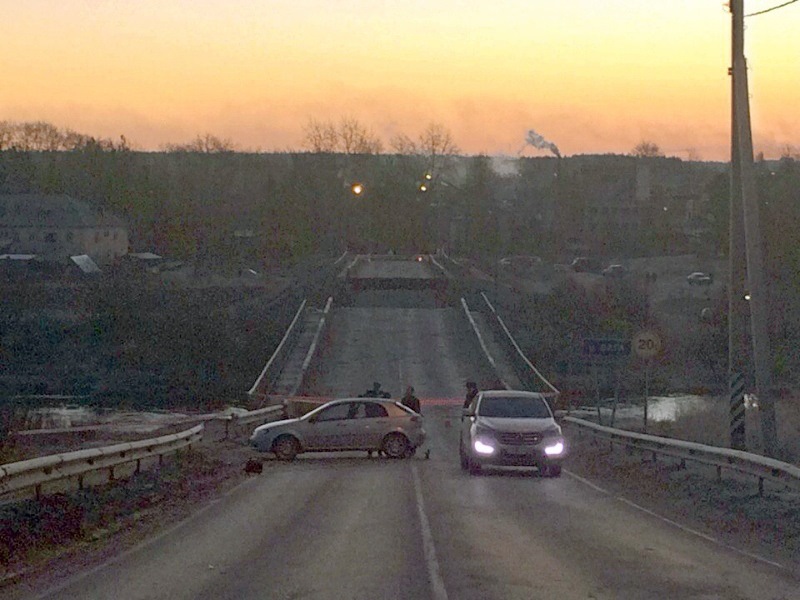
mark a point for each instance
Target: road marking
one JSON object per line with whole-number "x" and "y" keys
{"x": 597, "y": 488}
{"x": 683, "y": 528}
{"x": 428, "y": 547}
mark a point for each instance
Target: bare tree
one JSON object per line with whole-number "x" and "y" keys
{"x": 349, "y": 136}
{"x": 435, "y": 144}
{"x": 320, "y": 136}
{"x": 205, "y": 144}
{"x": 791, "y": 152}
{"x": 646, "y": 149}
{"x": 6, "y": 134}
{"x": 355, "y": 138}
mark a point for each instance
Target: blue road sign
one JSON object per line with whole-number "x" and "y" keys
{"x": 606, "y": 348}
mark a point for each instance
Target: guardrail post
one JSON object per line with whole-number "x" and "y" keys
{"x": 138, "y": 465}
{"x": 38, "y": 491}
{"x": 683, "y": 463}
{"x": 719, "y": 473}
{"x": 760, "y": 486}
{"x": 111, "y": 473}
{"x": 80, "y": 482}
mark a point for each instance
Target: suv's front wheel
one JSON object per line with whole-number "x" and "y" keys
{"x": 463, "y": 457}
{"x": 550, "y": 471}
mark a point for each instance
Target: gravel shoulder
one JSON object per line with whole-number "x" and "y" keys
{"x": 729, "y": 510}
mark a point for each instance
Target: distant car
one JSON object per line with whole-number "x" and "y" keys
{"x": 368, "y": 424}
{"x": 698, "y": 278}
{"x": 511, "y": 428}
{"x": 520, "y": 262}
{"x": 615, "y": 271}
{"x": 583, "y": 264}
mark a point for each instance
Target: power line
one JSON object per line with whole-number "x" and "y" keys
{"x": 766, "y": 10}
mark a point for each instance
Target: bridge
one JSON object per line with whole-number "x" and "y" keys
{"x": 348, "y": 526}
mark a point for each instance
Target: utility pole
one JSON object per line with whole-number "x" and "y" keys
{"x": 745, "y": 219}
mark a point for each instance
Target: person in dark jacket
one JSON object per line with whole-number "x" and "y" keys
{"x": 472, "y": 391}
{"x": 376, "y": 392}
{"x": 411, "y": 401}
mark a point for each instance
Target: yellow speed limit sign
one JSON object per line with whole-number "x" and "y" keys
{"x": 646, "y": 344}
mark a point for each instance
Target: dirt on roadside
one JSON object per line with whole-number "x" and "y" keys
{"x": 43, "y": 542}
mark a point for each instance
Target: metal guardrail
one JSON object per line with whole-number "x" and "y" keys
{"x": 37, "y": 471}
{"x": 527, "y": 366}
{"x": 276, "y": 362}
{"x": 237, "y": 425}
{"x": 722, "y": 458}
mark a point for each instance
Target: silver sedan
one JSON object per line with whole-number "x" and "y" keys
{"x": 369, "y": 424}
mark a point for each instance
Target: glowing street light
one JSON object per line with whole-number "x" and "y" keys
{"x": 357, "y": 189}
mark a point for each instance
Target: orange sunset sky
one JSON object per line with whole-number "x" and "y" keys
{"x": 592, "y": 76}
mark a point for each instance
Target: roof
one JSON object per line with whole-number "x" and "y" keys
{"x": 51, "y": 210}
{"x": 511, "y": 394}
{"x": 86, "y": 264}
{"x": 22, "y": 257}
{"x": 144, "y": 255}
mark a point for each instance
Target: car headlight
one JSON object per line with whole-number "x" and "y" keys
{"x": 483, "y": 446}
{"x": 484, "y": 441}
{"x": 554, "y": 449}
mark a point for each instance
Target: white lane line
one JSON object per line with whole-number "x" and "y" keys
{"x": 700, "y": 534}
{"x": 597, "y": 488}
{"x": 429, "y": 549}
{"x": 683, "y": 528}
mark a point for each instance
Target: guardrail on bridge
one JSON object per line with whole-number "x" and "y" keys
{"x": 35, "y": 472}
{"x": 722, "y": 458}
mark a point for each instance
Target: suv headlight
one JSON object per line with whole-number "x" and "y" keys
{"x": 555, "y": 448}
{"x": 484, "y": 441}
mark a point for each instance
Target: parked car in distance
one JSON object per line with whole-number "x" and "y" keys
{"x": 582, "y": 264}
{"x": 615, "y": 271}
{"x": 369, "y": 424}
{"x": 699, "y": 278}
{"x": 520, "y": 262}
{"x": 511, "y": 428}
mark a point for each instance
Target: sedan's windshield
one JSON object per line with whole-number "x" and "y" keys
{"x": 514, "y": 408}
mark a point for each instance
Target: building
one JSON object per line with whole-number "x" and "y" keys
{"x": 56, "y": 227}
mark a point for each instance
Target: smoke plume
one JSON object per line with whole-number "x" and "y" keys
{"x": 540, "y": 143}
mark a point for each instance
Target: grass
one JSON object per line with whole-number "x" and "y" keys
{"x": 33, "y": 532}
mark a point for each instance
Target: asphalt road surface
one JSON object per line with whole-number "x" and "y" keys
{"x": 348, "y": 526}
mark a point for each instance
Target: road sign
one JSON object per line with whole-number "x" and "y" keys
{"x": 647, "y": 344}
{"x": 606, "y": 348}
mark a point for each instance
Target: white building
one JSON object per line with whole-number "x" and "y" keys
{"x": 56, "y": 227}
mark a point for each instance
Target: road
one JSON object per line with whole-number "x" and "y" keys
{"x": 349, "y": 526}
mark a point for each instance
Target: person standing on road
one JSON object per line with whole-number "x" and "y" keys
{"x": 411, "y": 401}
{"x": 376, "y": 392}
{"x": 472, "y": 391}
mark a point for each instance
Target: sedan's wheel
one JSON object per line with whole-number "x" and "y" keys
{"x": 395, "y": 445}
{"x": 286, "y": 448}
